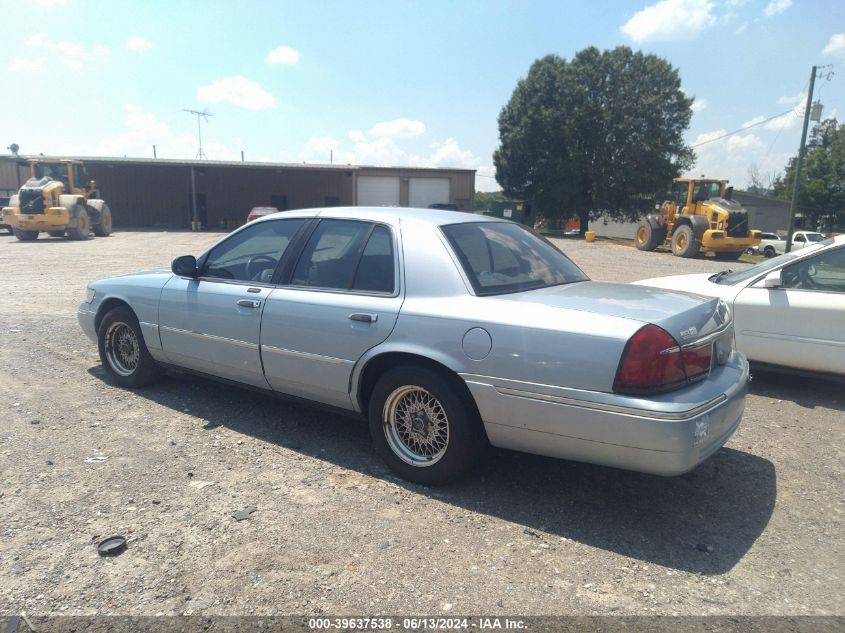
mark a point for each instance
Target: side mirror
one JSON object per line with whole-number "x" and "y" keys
{"x": 773, "y": 280}
{"x": 185, "y": 266}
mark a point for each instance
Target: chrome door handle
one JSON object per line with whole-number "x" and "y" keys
{"x": 363, "y": 318}
{"x": 249, "y": 303}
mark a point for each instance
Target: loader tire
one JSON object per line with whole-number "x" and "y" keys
{"x": 83, "y": 226}
{"x": 25, "y": 236}
{"x": 104, "y": 226}
{"x": 684, "y": 243}
{"x": 648, "y": 238}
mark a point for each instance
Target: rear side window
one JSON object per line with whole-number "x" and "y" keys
{"x": 347, "y": 255}
{"x": 375, "y": 270}
{"x": 501, "y": 257}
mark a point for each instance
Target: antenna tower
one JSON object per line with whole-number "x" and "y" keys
{"x": 204, "y": 114}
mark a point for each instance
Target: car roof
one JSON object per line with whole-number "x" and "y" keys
{"x": 390, "y": 215}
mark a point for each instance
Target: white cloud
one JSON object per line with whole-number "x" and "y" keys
{"x": 282, "y": 55}
{"x": 357, "y": 135}
{"x": 71, "y": 54}
{"x": 835, "y": 45}
{"x": 793, "y": 99}
{"x": 141, "y": 131}
{"x": 319, "y": 149}
{"x": 731, "y": 157}
{"x": 783, "y": 122}
{"x": 669, "y": 20}
{"x": 50, "y": 3}
{"x": 388, "y": 152}
{"x": 757, "y": 119}
{"x": 699, "y": 104}
{"x": 138, "y": 43}
{"x": 21, "y": 65}
{"x": 398, "y": 128}
{"x": 776, "y": 7}
{"x": 238, "y": 91}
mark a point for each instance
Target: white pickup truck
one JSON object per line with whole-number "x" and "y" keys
{"x": 772, "y": 244}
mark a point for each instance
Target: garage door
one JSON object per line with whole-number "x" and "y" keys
{"x": 378, "y": 191}
{"x": 425, "y": 191}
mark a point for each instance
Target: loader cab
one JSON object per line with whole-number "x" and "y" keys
{"x": 687, "y": 192}
{"x": 71, "y": 173}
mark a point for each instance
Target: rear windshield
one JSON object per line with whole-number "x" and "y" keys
{"x": 501, "y": 257}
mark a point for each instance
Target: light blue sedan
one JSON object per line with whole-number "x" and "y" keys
{"x": 447, "y": 330}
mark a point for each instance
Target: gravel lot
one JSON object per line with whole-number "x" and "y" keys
{"x": 758, "y": 529}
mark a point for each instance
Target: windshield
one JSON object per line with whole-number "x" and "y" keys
{"x": 56, "y": 171}
{"x": 741, "y": 275}
{"x": 501, "y": 257}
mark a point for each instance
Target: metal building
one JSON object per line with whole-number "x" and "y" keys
{"x": 162, "y": 192}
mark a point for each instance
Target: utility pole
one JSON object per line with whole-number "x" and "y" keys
{"x": 800, "y": 162}
{"x": 200, "y": 115}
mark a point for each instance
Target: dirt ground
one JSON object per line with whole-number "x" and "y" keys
{"x": 757, "y": 529}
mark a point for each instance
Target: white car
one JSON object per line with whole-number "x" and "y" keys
{"x": 789, "y": 311}
{"x": 773, "y": 244}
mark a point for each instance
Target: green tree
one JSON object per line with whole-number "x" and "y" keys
{"x": 484, "y": 199}
{"x": 821, "y": 193}
{"x": 598, "y": 135}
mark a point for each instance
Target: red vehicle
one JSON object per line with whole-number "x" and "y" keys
{"x": 258, "y": 212}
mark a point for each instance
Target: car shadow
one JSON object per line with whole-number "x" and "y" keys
{"x": 702, "y": 522}
{"x": 805, "y": 391}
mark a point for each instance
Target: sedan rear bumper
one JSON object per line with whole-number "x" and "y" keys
{"x": 661, "y": 440}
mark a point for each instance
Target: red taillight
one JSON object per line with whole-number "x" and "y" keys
{"x": 251, "y": 217}
{"x": 697, "y": 360}
{"x": 653, "y": 362}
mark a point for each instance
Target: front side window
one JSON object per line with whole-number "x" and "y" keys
{"x": 253, "y": 253}
{"x": 501, "y": 257}
{"x": 825, "y": 271}
{"x": 330, "y": 258}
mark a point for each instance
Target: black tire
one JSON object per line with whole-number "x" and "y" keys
{"x": 728, "y": 257}
{"x": 462, "y": 442}
{"x": 104, "y": 226}
{"x": 83, "y": 226}
{"x": 122, "y": 350}
{"x": 769, "y": 252}
{"x": 684, "y": 243}
{"x": 647, "y": 238}
{"x": 56, "y": 233}
{"x": 25, "y": 236}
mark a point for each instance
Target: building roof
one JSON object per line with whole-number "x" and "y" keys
{"x": 220, "y": 163}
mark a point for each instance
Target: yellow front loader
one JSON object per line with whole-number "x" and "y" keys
{"x": 60, "y": 199}
{"x": 701, "y": 217}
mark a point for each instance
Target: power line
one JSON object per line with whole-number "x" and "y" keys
{"x": 742, "y": 129}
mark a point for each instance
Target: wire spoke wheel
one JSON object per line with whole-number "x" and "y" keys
{"x": 416, "y": 426}
{"x": 123, "y": 350}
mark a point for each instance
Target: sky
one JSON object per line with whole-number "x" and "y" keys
{"x": 391, "y": 83}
